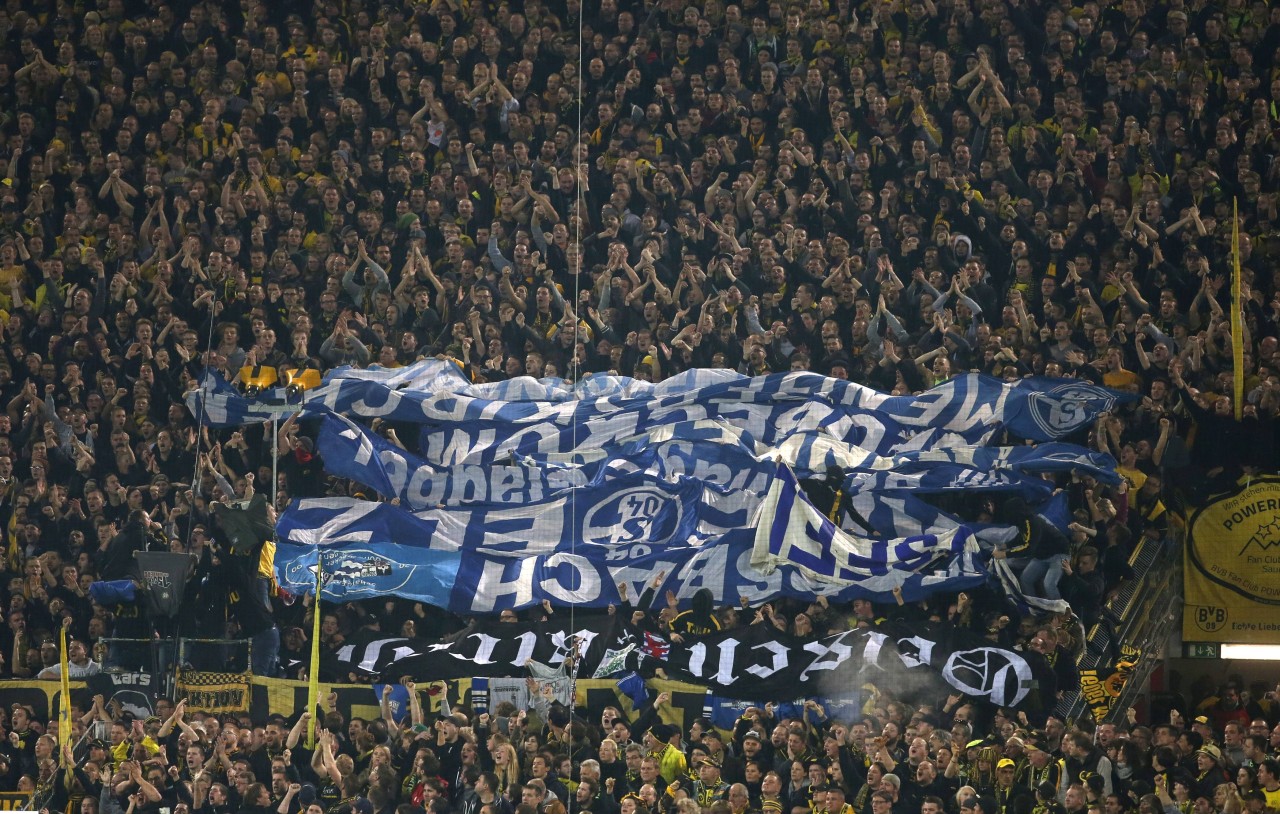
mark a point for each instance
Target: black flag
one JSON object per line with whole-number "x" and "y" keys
{"x": 164, "y": 576}
{"x": 245, "y": 523}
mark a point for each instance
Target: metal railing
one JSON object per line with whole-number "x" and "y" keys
{"x": 1148, "y": 611}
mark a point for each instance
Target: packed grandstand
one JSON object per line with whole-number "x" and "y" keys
{"x": 680, "y": 408}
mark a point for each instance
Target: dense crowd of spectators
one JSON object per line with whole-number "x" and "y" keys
{"x": 890, "y": 192}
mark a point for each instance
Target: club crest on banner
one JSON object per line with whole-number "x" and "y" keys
{"x": 1067, "y": 407}
{"x": 630, "y": 515}
{"x": 989, "y": 672}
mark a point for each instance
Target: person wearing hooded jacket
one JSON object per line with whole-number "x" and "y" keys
{"x": 299, "y": 463}
{"x": 698, "y": 620}
{"x": 1038, "y": 549}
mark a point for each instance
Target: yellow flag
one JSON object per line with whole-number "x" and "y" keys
{"x": 64, "y": 703}
{"x": 313, "y": 674}
{"x": 1237, "y": 315}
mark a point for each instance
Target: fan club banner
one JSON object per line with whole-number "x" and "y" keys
{"x": 577, "y": 549}
{"x": 133, "y": 690}
{"x": 214, "y": 693}
{"x": 1231, "y": 570}
{"x": 753, "y": 662}
{"x": 482, "y": 423}
{"x": 164, "y": 576}
{"x": 713, "y": 452}
{"x": 1101, "y": 687}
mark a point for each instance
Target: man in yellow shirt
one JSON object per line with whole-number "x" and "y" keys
{"x": 671, "y": 761}
{"x": 1269, "y": 781}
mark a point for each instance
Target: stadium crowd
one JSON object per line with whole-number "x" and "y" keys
{"x": 890, "y": 192}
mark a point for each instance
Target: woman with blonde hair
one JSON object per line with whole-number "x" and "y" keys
{"x": 1226, "y": 799}
{"x": 506, "y": 764}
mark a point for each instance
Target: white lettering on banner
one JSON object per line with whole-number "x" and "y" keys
{"x": 547, "y": 436}
{"x": 915, "y": 651}
{"x": 560, "y": 641}
{"x": 703, "y": 570}
{"x": 470, "y": 483}
{"x": 135, "y": 679}
{"x": 528, "y": 640}
{"x": 625, "y": 553}
{"x": 490, "y": 410}
{"x": 333, "y": 530}
{"x": 363, "y": 408}
{"x": 831, "y": 654}
{"x": 680, "y": 412}
{"x": 364, "y": 447}
{"x": 399, "y": 477}
{"x": 451, "y": 447}
{"x": 805, "y": 417}
{"x": 736, "y": 415}
{"x": 697, "y": 659}
{"x": 871, "y": 651}
{"x": 588, "y": 579}
{"x": 326, "y": 395}
{"x": 421, "y": 488}
{"x": 928, "y": 407}
{"x": 635, "y": 577}
{"x": 543, "y": 525}
{"x": 724, "y": 669}
{"x": 620, "y": 425}
{"x": 681, "y": 459}
{"x": 373, "y": 652}
{"x": 494, "y": 586}
{"x": 512, "y": 482}
{"x": 779, "y": 661}
{"x": 444, "y": 409}
{"x": 484, "y": 650}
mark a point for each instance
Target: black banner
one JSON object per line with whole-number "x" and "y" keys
{"x": 245, "y": 523}
{"x": 133, "y": 690}
{"x": 1101, "y": 686}
{"x": 164, "y": 575}
{"x": 750, "y": 663}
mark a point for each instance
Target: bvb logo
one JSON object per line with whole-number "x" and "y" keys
{"x": 1210, "y": 619}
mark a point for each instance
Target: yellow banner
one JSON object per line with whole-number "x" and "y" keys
{"x": 14, "y": 800}
{"x": 64, "y": 708}
{"x": 1231, "y": 567}
{"x": 1102, "y": 686}
{"x": 214, "y": 692}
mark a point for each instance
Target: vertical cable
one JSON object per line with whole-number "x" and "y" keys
{"x": 580, "y": 202}
{"x": 206, "y": 390}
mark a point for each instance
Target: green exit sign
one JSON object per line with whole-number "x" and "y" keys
{"x": 1202, "y": 650}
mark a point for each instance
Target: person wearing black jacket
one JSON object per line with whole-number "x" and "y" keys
{"x": 1038, "y": 549}
{"x": 249, "y": 602}
{"x": 141, "y": 533}
{"x": 828, "y": 496}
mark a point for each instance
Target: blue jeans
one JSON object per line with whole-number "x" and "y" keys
{"x": 1048, "y": 569}
{"x": 265, "y": 656}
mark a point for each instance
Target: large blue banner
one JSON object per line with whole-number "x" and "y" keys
{"x": 578, "y": 548}
{"x": 484, "y": 422}
{"x": 528, "y": 490}
{"x": 708, "y": 451}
